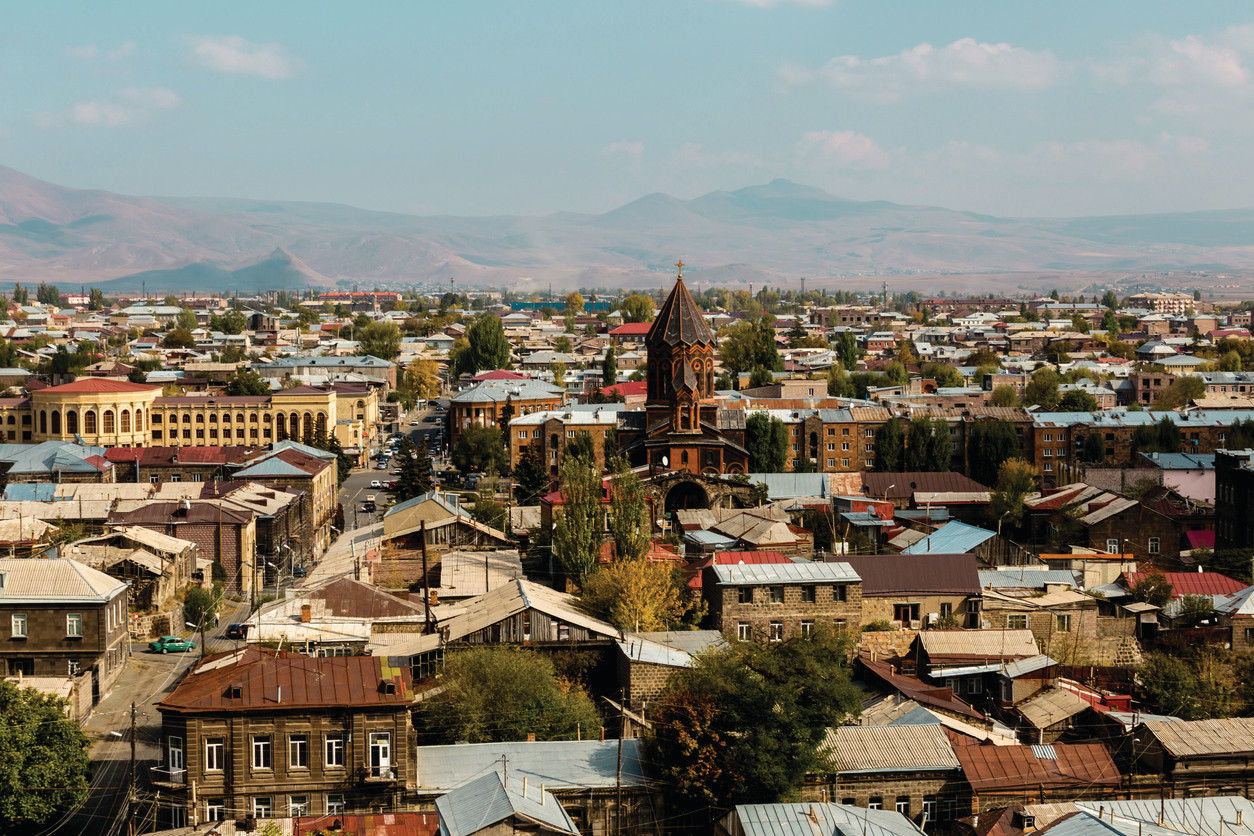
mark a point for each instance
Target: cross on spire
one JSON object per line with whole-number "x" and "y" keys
{"x": 680, "y": 266}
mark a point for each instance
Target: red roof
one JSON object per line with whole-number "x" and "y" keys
{"x": 631, "y": 329}
{"x": 627, "y": 389}
{"x": 1191, "y": 583}
{"x": 499, "y": 374}
{"x": 96, "y": 385}
{"x": 732, "y": 558}
{"x": 1020, "y": 768}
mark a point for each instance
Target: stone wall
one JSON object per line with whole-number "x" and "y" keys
{"x": 759, "y": 615}
{"x": 887, "y": 644}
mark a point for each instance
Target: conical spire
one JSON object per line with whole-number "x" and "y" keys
{"x": 679, "y": 322}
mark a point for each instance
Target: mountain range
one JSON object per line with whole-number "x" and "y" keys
{"x": 775, "y": 232}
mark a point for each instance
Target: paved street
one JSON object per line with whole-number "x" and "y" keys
{"x": 357, "y": 486}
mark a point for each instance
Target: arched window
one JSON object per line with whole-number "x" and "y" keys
{"x": 126, "y": 420}
{"x": 280, "y": 426}
{"x": 252, "y": 419}
{"x": 56, "y": 422}
{"x": 90, "y": 423}
{"x": 683, "y": 457}
{"x": 43, "y": 422}
{"x": 139, "y": 420}
{"x": 239, "y": 418}
{"x": 200, "y": 418}
{"x": 322, "y": 424}
{"x": 213, "y": 418}
{"x": 187, "y": 419}
{"x": 226, "y": 418}
{"x": 71, "y": 422}
{"x": 11, "y": 420}
{"x": 109, "y": 426}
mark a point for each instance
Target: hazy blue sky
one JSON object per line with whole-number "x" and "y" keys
{"x": 512, "y": 107}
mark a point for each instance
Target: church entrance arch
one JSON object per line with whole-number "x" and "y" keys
{"x": 686, "y": 496}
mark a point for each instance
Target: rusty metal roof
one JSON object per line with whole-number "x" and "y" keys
{"x": 1018, "y": 768}
{"x": 982, "y": 644}
{"x": 270, "y": 681}
{"x": 935, "y": 574}
{"x": 906, "y": 485}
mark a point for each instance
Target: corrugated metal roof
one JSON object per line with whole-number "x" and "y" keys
{"x": 1191, "y": 583}
{"x": 898, "y": 748}
{"x": 1210, "y": 816}
{"x": 766, "y": 573}
{"x": 1020, "y": 667}
{"x": 815, "y": 819}
{"x": 468, "y": 574}
{"x": 487, "y": 801}
{"x": 1051, "y": 707}
{"x": 1017, "y": 768}
{"x": 1203, "y": 738}
{"x": 53, "y": 579}
{"x": 905, "y": 485}
{"x": 934, "y": 574}
{"x": 1025, "y": 578}
{"x": 953, "y": 537}
{"x": 559, "y": 764}
{"x": 1001, "y": 644}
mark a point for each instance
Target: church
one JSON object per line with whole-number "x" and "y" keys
{"x": 682, "y": 428}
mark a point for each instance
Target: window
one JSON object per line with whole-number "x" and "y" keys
{"x": 1153, "y": 545}
{"x": 298, "y": 805}
{"x": 777, "y": 595}
{"x": 18, "y": 625}
{"x": 1063, "y": 623}
{"x": 570, "y": 433}
{"x": 844, "y": 462}
{"x": 975, "y": 685}
{"x": 1249, "y": 635}
{"x": 74, "y": 625}
{"x": 522, "y": 433}
{"x": 777, "y": 631}
{"x": 215, "y": 754}
{"x": 903, "y": 805}
{"x": 1016, "y": 622}
{"x": 744, "y": 632}
{"x": 807, "y": 628}
{"x": 929, "y": 808}
{"x": 261, "y": 751}
{"x": 298, "y": 751}
{"x": 75, "y": 667}
{"x": 1049, "y": 436}
{"x": 335, "y": 805}
{"x": 1048, "y": 466}
{"x": 840, "y": 593}
{"x": 215, "y": 809}
{"x": 807, "y": 595}
{"x": 1112, "y": 546}
{"x": 263, "y": 806}
{"x": 1049, "y": 451}
{"x": 844, "y": 447}
{"x": 905, "y": 613}
{"x": 154, "y": 479}
{"x": 335, "y": 750}
{"x": 875, "y": 802}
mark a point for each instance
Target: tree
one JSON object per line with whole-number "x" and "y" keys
{"x": 895, "y": 373}
{"x": 582, "y": 446}
{"x": 481, "y": 449}
{"x": 47, "y": 294}
{"x": 1183, "y": 390}
{"x": 179, "y": 338}
{"x": 486, "y": 349}
{"x": 846, "y": 347}
{"x": 609, "y": 367}
{"x": 1042, "y": 389}
{"x": 1110, "y": 300}
{"x": 232, "y": 322}
{"x": 247, "y": 382}
{"x": 531, "y": 481}
{"x": 1094, "y": 448}
{"x": 1196, "y": 685}
{"x": 1163, "y": 437}
{"x": 574, "y": 302}
{"x": 929, "y": 447}
{"x": 422, "y": 378}
{"x": 95, "y": 299}
{"x": 1077, "y": 400}
{"x": 186, "y": 319}
{"x": 415, "y": 478}
{"x": 506, "y": 415}
{"x": 804, "y": 464}
{"x": 494, "y": 694}
{"x": 1110, "y": 323}
{"x": 21, "y": 296}
{"x": 558, "y": 370}
{"x": 760, "y": 376}
{"x": 489, "y": 512}
{"x": 1015, "y": 480}
{"x": 628, "y": 520}
{"x": 766, "y": 439}
{"x": 1153, "y": 589}
{"x": 199, "y": 606}
{"x": 636, "y": 308}
{"x": 944, "y": 374}
{"x": 890, "y": 447}
{"x": 44, "y": 756}
{"x": 636, "y": 594}
{"x": 379, "y": 339}
{"x": 745, "y": 723}
{"x": 750, "y": 345}
{"x": 1004, "y": 395}
{"x": 577, "y": 536}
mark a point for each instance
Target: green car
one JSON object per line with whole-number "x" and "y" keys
{"x": 171, "y": 644}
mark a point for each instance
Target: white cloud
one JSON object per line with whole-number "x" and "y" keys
{"x": 964, "y": 63}
{"x": 125, "y": 50}
{"x": 629, "y": 148}
{"x": 845, "y": 149}
{"x": 130, "y": 106}
{"x": 233, "y": 54}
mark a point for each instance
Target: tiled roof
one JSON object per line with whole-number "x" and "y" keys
{"x": 679, "y": 321}
{"x": 1030, "y": 768}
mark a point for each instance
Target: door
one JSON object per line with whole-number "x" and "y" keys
{"x": 380, "y": 754}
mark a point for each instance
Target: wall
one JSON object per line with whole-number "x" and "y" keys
{"x": 760, "y": 613}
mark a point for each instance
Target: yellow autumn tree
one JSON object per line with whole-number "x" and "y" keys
{"x": 422, "y": 378}
{"x": 636, "y": 594}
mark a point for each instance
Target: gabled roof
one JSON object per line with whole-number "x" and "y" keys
{"x": 1015, "y": 768}
{"x": 817, "y": 818}
{"x": 1051, "y": 707}
{"x": 756, "y": 574}
{"x": 487, "y": 801}
{"x": 1205, "y": 738}
{"x": 559, "y": 764}
{"x": 98, "y": 385}
{"x": 1191, "y": 583}
{"x": 54, "y": 580}
{"x": 933, "y": 574}
{"x": 983, "y": 644}
{"x": 901, "y": 748}
{"x": 953, "y": 537}
{"x": 679, "y": 321}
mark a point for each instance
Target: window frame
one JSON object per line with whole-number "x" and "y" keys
{"x": 262, "y": 750}
{"x": 73, "y": 619}
{"x": 19, "y": 620}
{"x": 333, "y": 750}
{"x": 298, "y": 744}
{"x": 744, "y": 631}
{"x": 215, "y": 753}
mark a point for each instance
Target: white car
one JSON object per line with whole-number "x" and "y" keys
{"x": 376, "y": 484}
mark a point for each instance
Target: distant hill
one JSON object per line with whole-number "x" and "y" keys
{"x": 768, "y": 233}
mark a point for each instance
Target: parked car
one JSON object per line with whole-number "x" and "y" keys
{"x": 239, "y": 631}
{"x": 171, "y": 644}
{"x": 415, "y": 423}
{"x": 299, "y": 571}
{"x": 431, "y": 419}
{"x": 375, "y": 483}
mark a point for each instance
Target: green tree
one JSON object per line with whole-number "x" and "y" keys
{"x": 186, "y": 319}
{"x": 629, "y": 523}
{"x": 497, "y": 694}
{"x": 247, "y": 382}
{"x": 1042, "y": 389}
{"x": 379, "y": 339}
{"x": 750, "y": 345}
{"x": 944, "y": 374}
{"x": 637, "y": 594}
{"x": 95, "y": 299}
{"x": 577, "y": 535}
{"x": 1004, "y": 395}
{"x": 929, "y": 447}
{"x": 804, "y": 464}
{"x": 609, "y": 367}
{"x": 232, "y": 322}
{"x": 481, "y": 449}
{"x": 846, "y": 347}
{"x": 415, "y": 478}
{"x": 574, "y": 302}
{"x": 1110, "y": 323}
{"x": 1153, "y": 589}
{"x": 838, "y": 385}
{"x": 489, "y": 512}
{"x": 636, "y": 308}
{"x": 530, "y": 479}
{"x": 745, "y": 723}
{"x": 47, "y": 294}
{"x": 1163, "y": 437}
{"x": 1182, "y": 391}
{"x": 1110, "y": 300}
{"x": 582, "y": 446}
{"x": 895, "y": 374}
{"x": 199, "y": 605}
{"x": 486, "y": 349}
{"x": 21, "y": 296}
{"x": 890, "y": 447}
{"x": 1094, "y": 448}
{"x": 760, "y": 376}
{"x": 44, "y": 757}
{"x": 1077, "y": 400}
{"x": 1016, "y": 479}
{"x": 179, "y": 338}
{"x": 766, "y": 439}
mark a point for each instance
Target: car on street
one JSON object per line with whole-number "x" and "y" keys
{"x": 171, "y": 644}
{"x": 431, "y": 419}
{"x": 415, "y": 423}
{"x": 237, "y": 631}
{"x": 375, "y": 483}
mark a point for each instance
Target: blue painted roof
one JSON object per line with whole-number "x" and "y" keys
{"x": 273, "y": 466}
{"x": 954, "y": 537}
{"x": 790, "y": 485}
{"x": 1019, "y": 578}
{"x": 31, "y": 491}
{"x": 51, "y": 456}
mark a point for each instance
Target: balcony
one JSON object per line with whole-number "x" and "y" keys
{"x": 166, "y": 775}
{"x": 380, "y": 774}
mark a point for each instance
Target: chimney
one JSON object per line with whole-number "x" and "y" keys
{"x": 306, "y": 613}
{"x": 435, "y": 597}
{"x": 524, "y": 786}
{"x": 531, "y": 737}
{"x": 279, "y": 697}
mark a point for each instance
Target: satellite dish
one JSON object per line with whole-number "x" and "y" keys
{"x": 665, "y": 462}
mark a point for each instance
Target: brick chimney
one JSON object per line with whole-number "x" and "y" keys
{"x": 435, "y": 597}
{"x": 306, "y": 613}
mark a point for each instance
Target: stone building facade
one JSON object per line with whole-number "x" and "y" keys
{"x": 773, "y": 602}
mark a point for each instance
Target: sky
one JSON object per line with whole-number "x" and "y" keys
{"x": 476, "y": 108}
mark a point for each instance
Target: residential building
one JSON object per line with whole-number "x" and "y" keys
{"x": 771, "y": 602}
{"x": 913, "y": 591}
{"x": 495, "y": 402}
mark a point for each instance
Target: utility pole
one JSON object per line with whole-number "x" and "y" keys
{"x": 618, "y": 779}
{"x": 426, "y": 584}
{"x": 130, "y": 792}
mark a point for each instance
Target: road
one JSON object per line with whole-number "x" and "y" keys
{"x": 357, "y": 486}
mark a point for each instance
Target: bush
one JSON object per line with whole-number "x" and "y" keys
{"x": 880, "y": 626}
